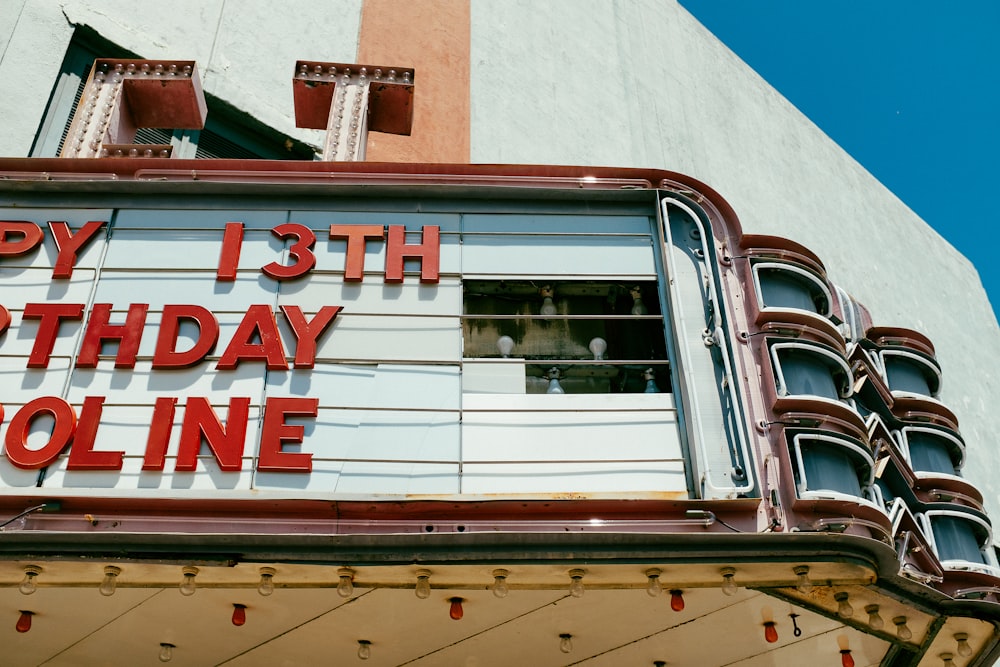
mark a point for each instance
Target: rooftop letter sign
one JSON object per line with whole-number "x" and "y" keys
{"x": 123, "y": 95}
{"x": 348, "y": 101}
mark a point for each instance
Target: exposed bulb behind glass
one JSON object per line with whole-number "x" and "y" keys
{"x": 598, "y": 346}
{"x": 505, "y": 345}
{"x": 188, "y": 585}
{"x": 566, "y": 643}
{"x": 364, "y": 649}
{"x": 548, "y": 306}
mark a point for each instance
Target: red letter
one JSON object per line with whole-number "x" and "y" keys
{"x": 30, "y": 232}
{"x": 354, "y": 264}
{"x": 306, "y": 333}
{"x": 159, "y": 433}
{"x": 429, "y": 252}
{"x": 128, "y": 335}
{"x": 4, "y": 319}
{"x": 82, "y": 455}
{"x": 165, "y": 355}
{"x": 301, "y": 251}
{"x": 229, "y": 259}
{"x": 69, "y": 243}
{"x": 226, "y": 442}
{"x": 17, "y": 433}
{"x": 275, "y": 432}
{"x": 259, "y": 321}
{"x": 50, "y": 315}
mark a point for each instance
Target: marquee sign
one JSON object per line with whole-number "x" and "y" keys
{"x": 256, "y": 339}
{"x": 345, "y": 352}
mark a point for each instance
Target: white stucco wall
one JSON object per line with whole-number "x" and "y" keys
{"x": 246, "y": 51}
{"x": 641, "y": 83}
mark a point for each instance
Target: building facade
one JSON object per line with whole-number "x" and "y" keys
{"x": 421, "y": 409}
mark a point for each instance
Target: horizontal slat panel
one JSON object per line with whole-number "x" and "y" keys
{"x": 573, "y": 478}
{"x": 374, "y": 296}
{"x": 557, "y": 256}
{"x": 188, "y": 249}
{"x": 198, "y": 219}
{"x": 373, "y": 386}
{"x": 21, "y": 286}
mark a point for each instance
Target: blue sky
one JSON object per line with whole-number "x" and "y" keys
{"x": 910, "y": 88}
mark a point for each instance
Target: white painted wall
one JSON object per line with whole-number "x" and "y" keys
{"x": 640, "y": 83}
{"x": 246, "y": 51}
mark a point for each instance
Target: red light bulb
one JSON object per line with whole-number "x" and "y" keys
{"x": 845, "y": 658}
{"x": 770, "y": 632}
{"x": 24, "y": 622}
{"x": 239, "y": 614}
{"x": 676, "y": 600}
{"x": 456, "y": 612}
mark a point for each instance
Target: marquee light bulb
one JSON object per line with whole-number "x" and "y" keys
{"x": 239, "y": 614}
{"x": 846, "y": 659}
{"x": 964, "y": 649}
{"x": 505, "y": 345}
{"x": 902, "y": 629}
{"x": 770, "y": 632}
{"x": 266, "y": 584}
{"x": 188, "y": 585}
{"x": 548, "y": 307}
{"x": 947, "y": 660}
{"x": 677, "y": 600}
{"x": 166, "y": 652}
{"x": 24, "y": 621}
{"x": 844, "y": 608}
{"x": 728, "y": 580}
{"x": 875, "y": 621}
{"x": 110, "y": 581}
{"x": 598, "y": 346}
{"x": 27, "y": 586}
{"x": 653, "y": 587}
{"x": 500, "y": 589}
{"x": 576, "y": 582}
{"x": 802, "y": 583}
{"x": 456, "y": 612}
{"x": 364, "y": 649}
{"x": 566, "y": 642}
{"x": 345, "y": 588}
{"x": 423, "y": 587}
